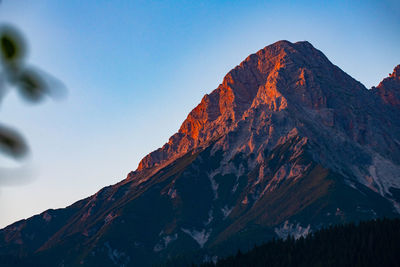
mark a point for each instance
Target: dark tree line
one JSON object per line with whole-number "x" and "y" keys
{"x": 371, "y": 243}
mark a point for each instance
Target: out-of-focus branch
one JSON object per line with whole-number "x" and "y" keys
{"x": 32, "y": 84}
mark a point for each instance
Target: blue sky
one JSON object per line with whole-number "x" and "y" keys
{"x": 135, "y": 69}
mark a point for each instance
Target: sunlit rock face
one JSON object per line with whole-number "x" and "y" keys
{"x": 286, "y": 144}
{"x": 263, "y": 80}
{"x": 389, "y": 89}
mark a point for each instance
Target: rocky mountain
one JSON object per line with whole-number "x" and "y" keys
{"x": 287, "y": 144}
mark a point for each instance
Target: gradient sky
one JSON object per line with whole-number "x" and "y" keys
{"x": 135, "y": 69}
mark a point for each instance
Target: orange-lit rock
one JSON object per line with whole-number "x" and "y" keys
{"x": 389, "y": 89}
{"x": 264, "y": 82}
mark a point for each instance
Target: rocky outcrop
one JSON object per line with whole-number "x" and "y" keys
{"x": 389, "y": 89}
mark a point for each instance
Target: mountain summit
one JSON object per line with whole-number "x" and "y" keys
{"x": 286, "y": 144}
{"x": 266, "y": 79}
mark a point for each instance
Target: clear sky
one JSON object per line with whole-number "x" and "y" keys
{"x": 134, "y": 70}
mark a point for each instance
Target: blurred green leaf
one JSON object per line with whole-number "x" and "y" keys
{"x": 12, "y": 44}
{"x": 31, "y": 85}
{"x": 8, "y": 48}
{"x": 12, "y": 143}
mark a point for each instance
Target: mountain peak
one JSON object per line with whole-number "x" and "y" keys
{"x": 276, "y": 76}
